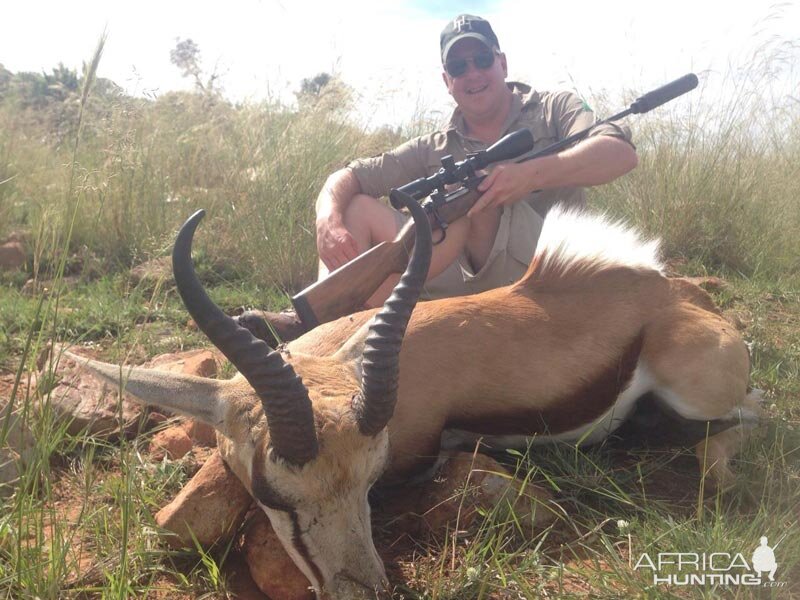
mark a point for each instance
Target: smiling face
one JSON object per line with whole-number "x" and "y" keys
{"x": 481, "y": 94}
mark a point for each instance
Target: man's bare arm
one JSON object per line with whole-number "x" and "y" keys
{"x": 335, "y": 245}
{"x": 593, "y": 161}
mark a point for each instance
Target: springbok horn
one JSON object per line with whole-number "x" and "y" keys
{"x": 380, "y": 363}
{"x": 284, "y": 398}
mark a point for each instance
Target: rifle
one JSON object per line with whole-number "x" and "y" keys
{"x": 345, "y": 290}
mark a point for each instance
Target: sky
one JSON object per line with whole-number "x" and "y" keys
{"x": 388, "y": 52}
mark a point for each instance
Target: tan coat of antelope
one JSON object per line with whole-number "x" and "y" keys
{"x": 565, "y": 353}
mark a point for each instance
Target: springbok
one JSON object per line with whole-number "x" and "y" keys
{"x": 563, "y": 354}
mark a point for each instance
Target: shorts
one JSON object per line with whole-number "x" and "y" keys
{"x": 511, "y": 254}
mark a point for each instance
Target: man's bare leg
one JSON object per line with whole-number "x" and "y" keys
{"x": 480, "y": 240}
{"x": 371, "y": 222}
{"x": 474, "y": 235}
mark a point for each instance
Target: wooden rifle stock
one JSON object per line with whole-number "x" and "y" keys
{"x": 347, "y": 289}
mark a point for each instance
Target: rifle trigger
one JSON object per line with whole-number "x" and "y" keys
{"x": 441, "y": 223}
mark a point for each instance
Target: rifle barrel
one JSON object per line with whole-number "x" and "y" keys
{"x": 643, "y": 104}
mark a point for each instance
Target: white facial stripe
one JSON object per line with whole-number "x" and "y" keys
{"x": 328, "y": 534}
{"x": 286, "y": 527}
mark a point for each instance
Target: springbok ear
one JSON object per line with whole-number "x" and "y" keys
{"x": 353, "y": 349}
{"x": 197, "y": 397}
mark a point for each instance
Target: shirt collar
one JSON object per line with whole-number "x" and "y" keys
{"x": 522, "y": 95}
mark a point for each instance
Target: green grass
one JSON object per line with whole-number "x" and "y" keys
{"x": 114, "y": 316}
{"x": 723, "y": 199}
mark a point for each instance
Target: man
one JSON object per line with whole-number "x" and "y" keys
{"x": 493, "y": 245}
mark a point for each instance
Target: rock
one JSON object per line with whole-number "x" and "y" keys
{"x": 201, "y": 433}
{"x": 18, "y": 236}
{"x": 192, "y": 362}
{"x": 709, "y": 284}
{"x": 240, "y": 583}
{"x": 16, "y": 451}
{"x": 28, "y": 380}
{"x": 465, "y": 486}
{"x": 12, "y": 256}
{"x": 270, "y": 566}
{"x": 195, "y": 460}
{"x": 88, "y": 403}
{"x": 172, "y": 442}
{"x": 211, "y": 506}
{"x": 153, "y": 272}
{"x": 155, "y": 418}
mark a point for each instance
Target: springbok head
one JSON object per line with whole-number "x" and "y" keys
{"x": 306, "y": 435}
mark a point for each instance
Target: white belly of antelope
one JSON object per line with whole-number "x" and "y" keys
{"x": 587, "y": 433}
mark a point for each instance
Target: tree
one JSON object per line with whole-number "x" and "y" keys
{"x": 62, "y": 83}
{"x": 186, "y": 56}
{"x": 5, "y": 80}
{"x": 324, "y": 92}
{"x": 313, "y": 87}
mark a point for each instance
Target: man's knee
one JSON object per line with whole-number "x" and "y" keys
{"x": 370, "y": 219}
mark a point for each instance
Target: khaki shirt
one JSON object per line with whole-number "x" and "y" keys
{"x": 551, "y": 117}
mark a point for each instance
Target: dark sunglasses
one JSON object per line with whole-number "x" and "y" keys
{"x": 456, "y": 67}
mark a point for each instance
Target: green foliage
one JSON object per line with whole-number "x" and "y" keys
{"x": 313, "y": 86}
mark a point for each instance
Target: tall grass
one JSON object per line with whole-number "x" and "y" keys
{"x": 146, "y": 165}
{"x": 718, "y": 181}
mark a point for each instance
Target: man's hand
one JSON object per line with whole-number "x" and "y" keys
{"x": 335, "y": 245}
{"x": 593, "y": 161}
{"x": 505, "y": 184}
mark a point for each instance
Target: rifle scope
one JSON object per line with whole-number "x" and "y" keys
{"x": 508, "y": 147}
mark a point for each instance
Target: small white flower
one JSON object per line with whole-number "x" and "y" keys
{"x": 622, "y": 524}
{"x": 473, "y": 573}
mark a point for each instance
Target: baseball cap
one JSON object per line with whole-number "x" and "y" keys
{"x": 467, "y": 26}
